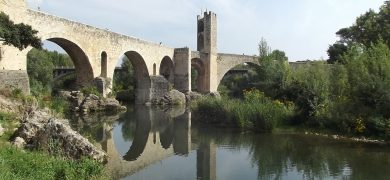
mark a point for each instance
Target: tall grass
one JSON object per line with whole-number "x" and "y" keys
{"x": 18, "y": 164}
{"x": 256, "y": 112}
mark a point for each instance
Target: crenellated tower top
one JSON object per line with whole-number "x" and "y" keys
{"x": 207, "y": 32}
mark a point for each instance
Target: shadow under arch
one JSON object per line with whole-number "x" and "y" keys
{"x": 167, "y": 69}
{"x": 142, "y": 78}
{"x": 200, "y": 79}
{"x": 83, "y": 67}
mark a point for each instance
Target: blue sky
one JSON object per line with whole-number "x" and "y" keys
{"x": 302, "y": 28}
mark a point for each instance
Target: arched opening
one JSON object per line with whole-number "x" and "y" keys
{"x": 154, "y": 69}
{"x": 131, "y": 79}
{"x": 60, "y": 65}
{"x": 83, "y": 68}
{"x": 237, "y": 79}
{"x": 197, "y": 75}
{"x": 103, "y": 64}
{"x": 166, "y": 69}
{"x": 200, "y": 42}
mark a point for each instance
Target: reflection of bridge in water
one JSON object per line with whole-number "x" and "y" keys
{"x": 158, "y": 135}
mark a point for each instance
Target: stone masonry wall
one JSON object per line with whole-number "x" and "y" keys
{"x": 182, "y": 69}
{"x": 15, "y": 79}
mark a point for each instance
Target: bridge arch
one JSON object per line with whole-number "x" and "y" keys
{"x": 142, "y": 78}
{"x": 83, "y": 67}
{"x": 249, "y": 65}
{"x": 200, "y": 80}
{"x": 167, "y": 69}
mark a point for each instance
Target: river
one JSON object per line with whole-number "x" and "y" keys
{"x": 157, "y": 143}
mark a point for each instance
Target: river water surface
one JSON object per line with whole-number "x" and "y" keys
{"x": 154, "y": 143}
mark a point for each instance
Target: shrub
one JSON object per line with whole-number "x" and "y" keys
{"x": 91, "y": 90}
{"x": 59, "y": 105}
{"x": 256, "y": 112}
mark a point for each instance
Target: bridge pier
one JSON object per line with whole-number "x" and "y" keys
{"x": 182, "y": 78}
{"x": 13, "y": 69}
{"x": 206, "y": 161}
{"x": 15, "y": 79}
{"x": 182, "y": 126}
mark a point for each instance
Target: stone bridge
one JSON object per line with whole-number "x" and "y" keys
{"x": 95, "y": 53}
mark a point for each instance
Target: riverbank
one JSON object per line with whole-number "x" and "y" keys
{"x": 257, "y": 113}
{"x": 38, "y": 162}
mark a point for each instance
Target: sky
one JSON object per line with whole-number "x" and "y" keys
{"x": 304, "y": 29}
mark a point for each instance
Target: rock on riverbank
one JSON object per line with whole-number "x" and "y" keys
{"x": 41, "y": 131}
{"x": 91, "y": 103}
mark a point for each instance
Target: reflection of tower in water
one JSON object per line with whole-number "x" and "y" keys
{"x": 206, "y": 161}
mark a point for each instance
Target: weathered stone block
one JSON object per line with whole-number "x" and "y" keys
{"x": 15, "y": 79}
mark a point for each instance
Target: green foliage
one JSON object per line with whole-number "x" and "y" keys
{"x": 40, "y": 65}
{"x": 335, "y": 52}
{"x": 17, "y": 164}
{"x": 272, "y": 75}
{"x": 351, "y": 96}
{"x": 269, "y": 76}
{"x": 17, "y": 35}
{"x": 194, "y": 80}
{"x": 6, "y": 117}
{"x": 370, "y": 27}
{"x": 124, "y": 81}
{"x": 256, "y": 112}
{"x": 233, "y": 85}
{"x": 369, "y": 77}
{"x": 278, "y": 55}
{"x": 8, "y": 122}
{"x": 309, "y": 89}
{"x": 60, "y": 105}
{"x": 17, "y": 93}
{"x": 91, "y": 89}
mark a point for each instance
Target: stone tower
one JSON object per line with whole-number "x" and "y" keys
{"x": 207, "y": 32}
{"x": 207, "y": 46}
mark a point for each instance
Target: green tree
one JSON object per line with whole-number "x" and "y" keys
{"x": 335, "y": 52}
{"x": 371, "y": 27}
{"x": 125, "y": 80}
{"x": 40, "y": 65}
{"x": 369, "y": 78}
{"x": 273, "y": 70}
{"x": 264, "y": 49}
{"x": 309, "y": 89}
{"x": 278, "y": 55}
{"x": 17, "y": 35}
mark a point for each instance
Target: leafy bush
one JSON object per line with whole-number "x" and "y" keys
{"x": 256, "y": 112}
{"x": 60, "y": 105}
{"x": 90, "y": 90}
